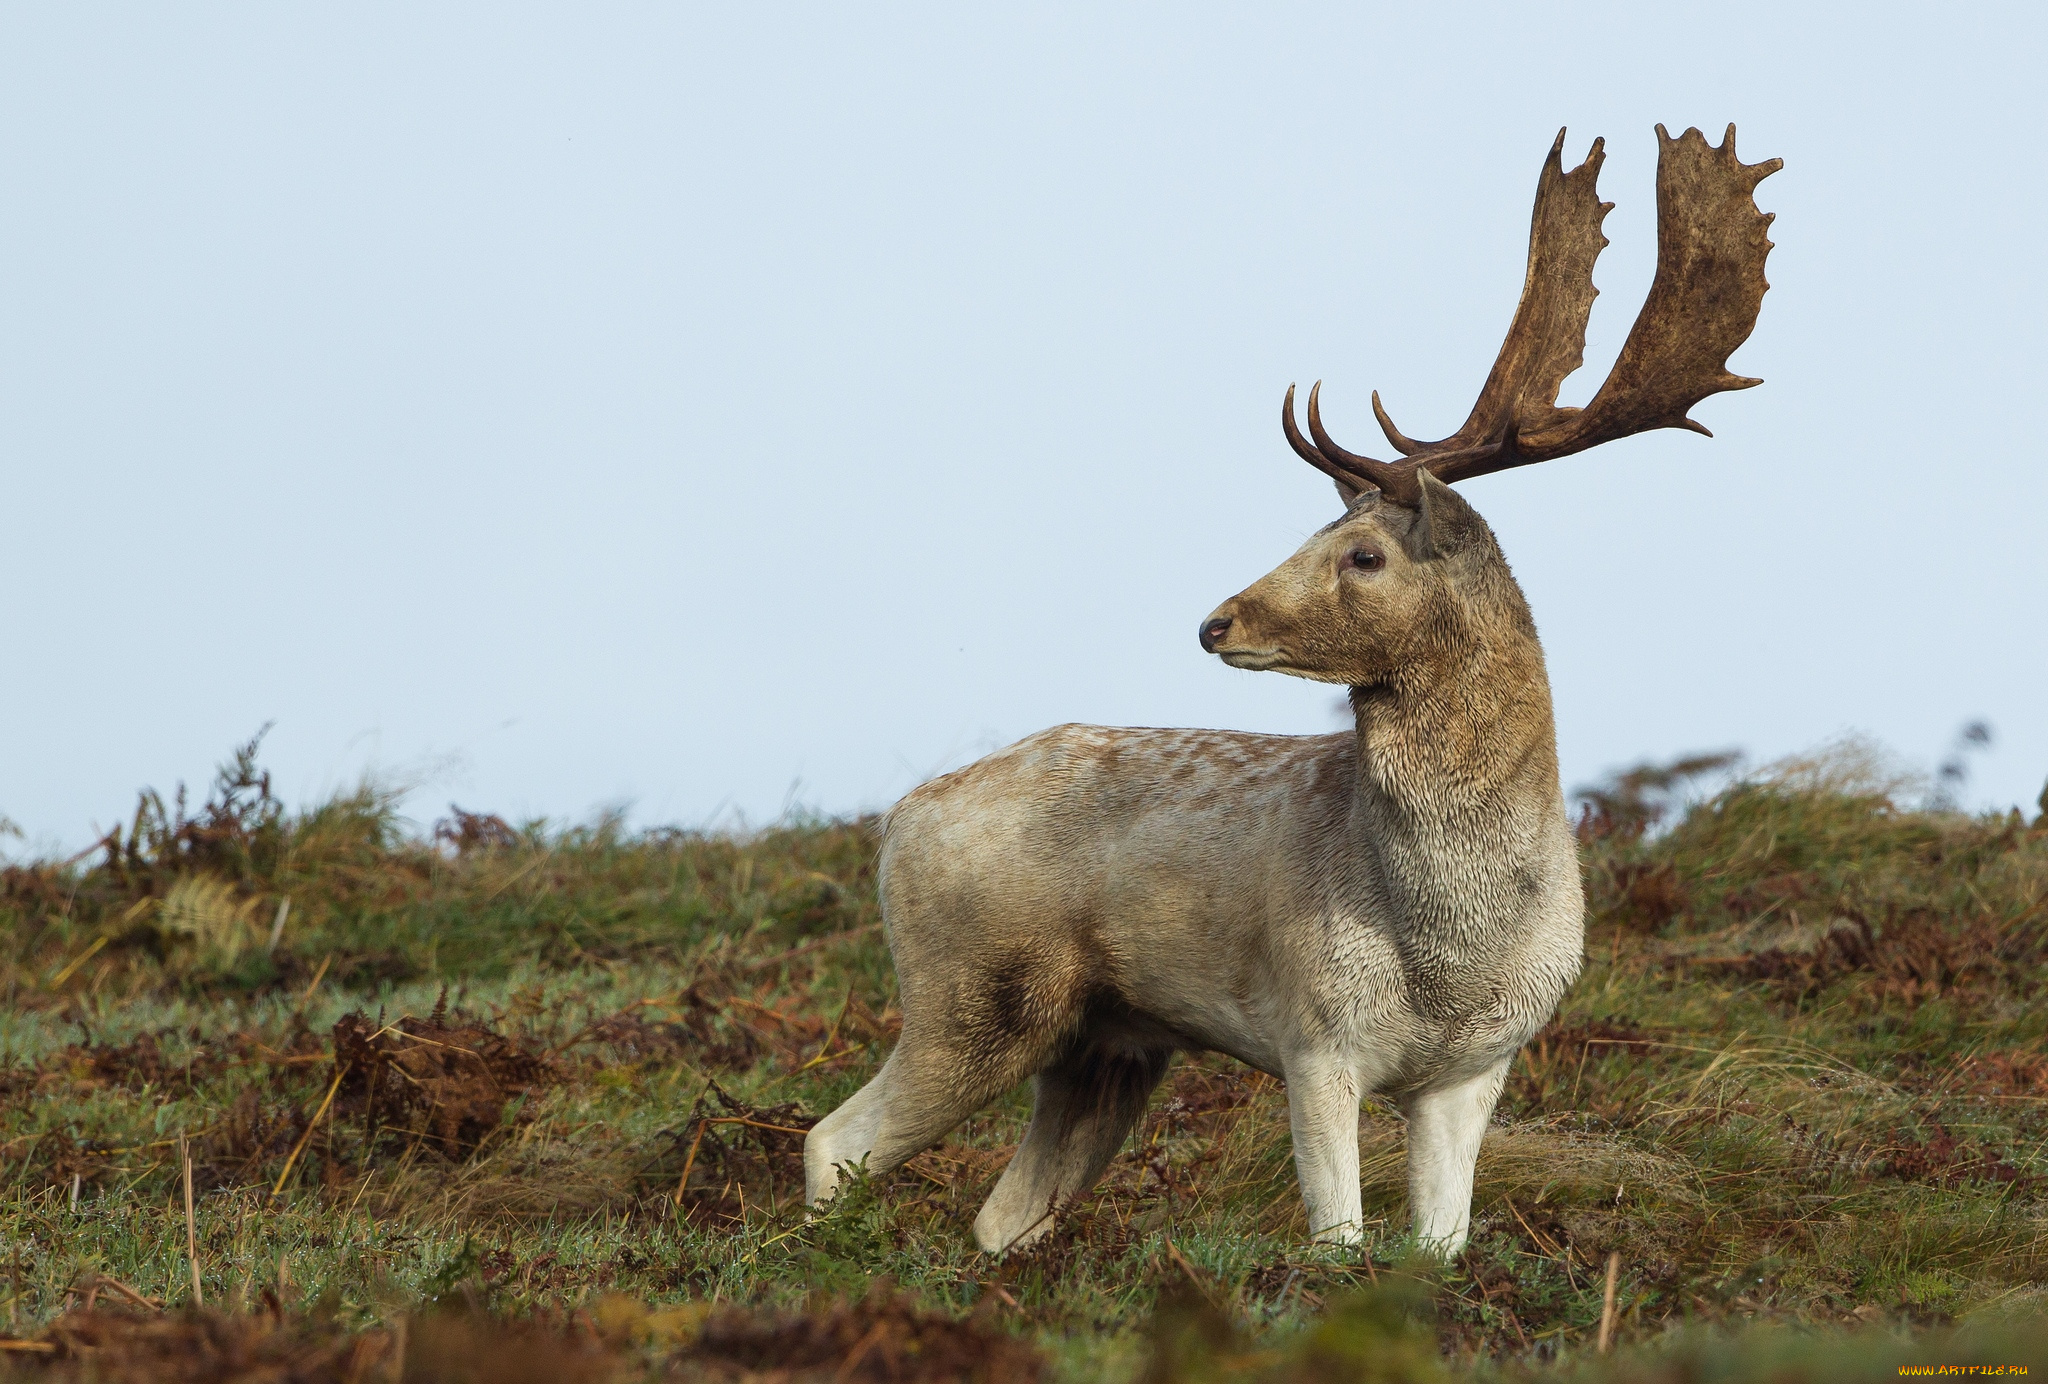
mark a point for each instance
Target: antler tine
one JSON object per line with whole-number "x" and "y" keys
{"x": 1349, "y": 460}
{"x": 1398, "y": 440}
{"x": 1305, "y": 449}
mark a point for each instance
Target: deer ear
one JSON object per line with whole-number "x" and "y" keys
{"x": 1444, "y": 523}
{"x": 1349, "y": 493}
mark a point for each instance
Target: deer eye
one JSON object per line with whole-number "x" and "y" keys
{"x": 1365, "y": 559}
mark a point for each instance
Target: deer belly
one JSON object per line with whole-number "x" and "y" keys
{"x": 1197, "y": 1002}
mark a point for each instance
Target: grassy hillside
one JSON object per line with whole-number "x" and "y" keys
{"x": 534, "y": 1097}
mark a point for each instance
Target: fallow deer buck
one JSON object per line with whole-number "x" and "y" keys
{"x": 1392, "y": 910}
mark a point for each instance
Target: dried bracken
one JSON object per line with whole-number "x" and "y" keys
{"x": 474, "y": 831}
{"x": 445, "y": 1078}
{"x": 728, "y": 1147}
{"x": 116, "y": 1347}
{"x": 883, "y": 1339}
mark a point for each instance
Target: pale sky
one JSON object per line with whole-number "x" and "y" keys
{"x": 704, "y": 409}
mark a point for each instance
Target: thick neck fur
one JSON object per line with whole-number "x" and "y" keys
{"x": 1457, "y": 799}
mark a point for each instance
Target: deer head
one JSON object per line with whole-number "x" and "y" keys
{"x": 1368, "y": 594}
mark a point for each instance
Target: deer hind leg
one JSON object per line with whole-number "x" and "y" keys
{"x": 1082, "y": 1110}
{"x": 963, "y": 1045}
{"x": 844, "y": 1138}
{"x": 936, "y": 1077}
{"x": 922, "y": 1092}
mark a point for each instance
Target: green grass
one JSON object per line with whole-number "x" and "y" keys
{"x": 1801, "y": 1086}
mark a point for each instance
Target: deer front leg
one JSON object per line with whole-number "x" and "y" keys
{"x": 1322, "y": 1111}
{"x": 1444, "y": 1130}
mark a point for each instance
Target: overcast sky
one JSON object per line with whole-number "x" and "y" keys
{"x": 704, "y": 409}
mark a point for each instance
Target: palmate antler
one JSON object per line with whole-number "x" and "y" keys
{"x": 1711, "y": 244}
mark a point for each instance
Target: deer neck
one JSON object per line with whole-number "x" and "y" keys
{"x": 1458, "y": 807}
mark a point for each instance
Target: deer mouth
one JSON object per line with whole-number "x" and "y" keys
{"x": 1254, "y": 660}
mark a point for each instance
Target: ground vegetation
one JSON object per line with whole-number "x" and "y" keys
{"x": 491, "y": 1100}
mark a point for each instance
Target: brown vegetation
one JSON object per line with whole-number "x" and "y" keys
{"x": 884, "y": 1338}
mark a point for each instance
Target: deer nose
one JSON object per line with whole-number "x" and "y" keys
{"x": 1214, "y": 630}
